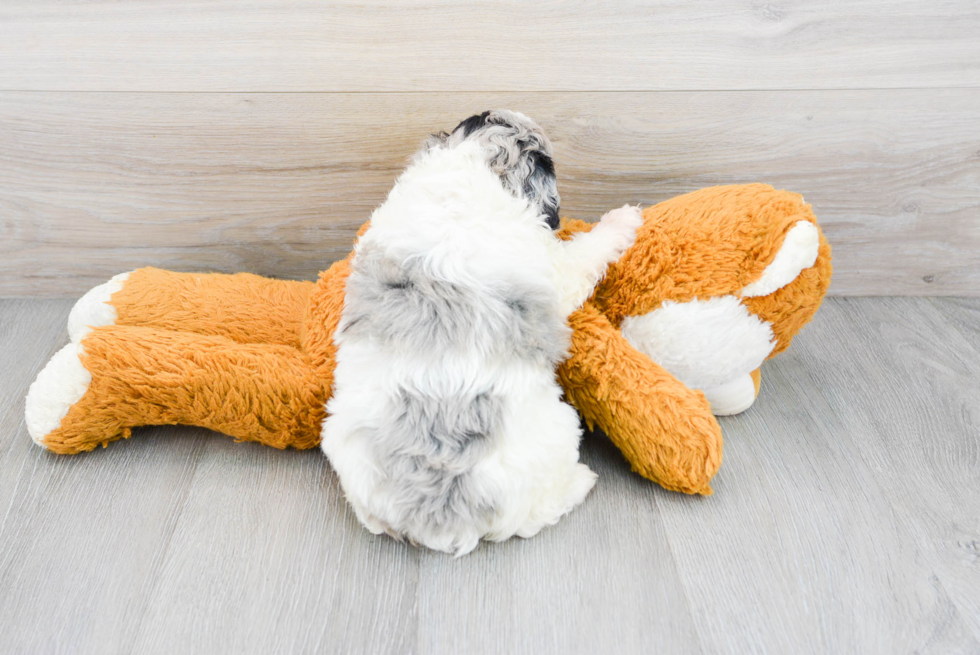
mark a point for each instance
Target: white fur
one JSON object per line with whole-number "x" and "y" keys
{"x": 798, "y": 252}
{"x": 94, "y": 309}
{"x": 61, "y": 384}
{"x": 451, "y": 211}
{"x": 733, "y": 397}
{"x": 703, "y": 343}
{"x": 589, "y": 253}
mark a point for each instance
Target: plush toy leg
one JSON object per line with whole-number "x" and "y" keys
{"x": 711, "y": 345}
{"x": 120, "y": 377}
{"x": 245, "y": 308}
{"x": 664, "y": 429}
{"x": 735, "y": 396}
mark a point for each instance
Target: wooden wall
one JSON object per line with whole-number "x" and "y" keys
{"x": 258, "y": 135}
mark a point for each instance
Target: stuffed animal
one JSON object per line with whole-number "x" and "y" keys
{"x": 718, "y": 281}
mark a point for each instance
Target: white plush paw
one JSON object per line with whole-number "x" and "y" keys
{"x": 703, "y": 343}
{"x": 94, "y": 310}
{"x": 622, "y": 224}
{"x": 733, "y": 397}
{"x": 61, "y": 384}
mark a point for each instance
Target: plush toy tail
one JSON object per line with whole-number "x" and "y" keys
{"x": 665, "y": 430}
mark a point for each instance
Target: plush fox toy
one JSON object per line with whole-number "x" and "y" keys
{"x": 718, "y": 281}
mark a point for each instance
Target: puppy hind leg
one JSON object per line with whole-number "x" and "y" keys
{"x": 583, "y": 259}
{"x": 561, "y": 481}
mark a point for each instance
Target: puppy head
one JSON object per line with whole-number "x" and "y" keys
{"x": 517, "y": 150}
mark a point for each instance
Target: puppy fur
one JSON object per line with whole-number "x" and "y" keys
{"x": 446, "y": 423}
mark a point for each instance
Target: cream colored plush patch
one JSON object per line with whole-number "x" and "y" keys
{"x": 733, "y": 397}
{"x": 703, "y": 343}
{"x": 798, "y": 252}
{"x": 93, "y": 309}
{"x": 61, "y": 384}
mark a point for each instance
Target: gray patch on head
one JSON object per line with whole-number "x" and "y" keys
{"x": 401, "y": 306}
{"x": 427, "y": 449}
{"x": 517, "y": 150}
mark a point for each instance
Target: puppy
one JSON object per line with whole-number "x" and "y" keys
{"x": 446, "y": 423}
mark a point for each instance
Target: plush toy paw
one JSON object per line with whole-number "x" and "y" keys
{"x": 94, "y": 310}
{"x": 65, "y": 380}
{"x": 61, "y": 384}
{"x": 711, "y": 345}
{"x": 733, "y": 397}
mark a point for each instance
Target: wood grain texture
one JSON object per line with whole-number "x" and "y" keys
{"x": 964, "y": 315}
{"x": 37, "y": 329}
{"x": 815, "y": 537}
{"x": 844, "y": 520}
{"x": 93, "y": 184}
{"x": 486, "y": 46}
{"x": 923, "y": 429}
{"x": 569, "y": 589}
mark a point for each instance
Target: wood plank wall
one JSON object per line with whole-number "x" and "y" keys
{"x": 257, "y": 136}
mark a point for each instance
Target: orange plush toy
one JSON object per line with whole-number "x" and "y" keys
{"x": 717, "y": 281}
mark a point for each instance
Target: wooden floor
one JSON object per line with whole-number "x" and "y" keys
{"x": 846, "y": 519}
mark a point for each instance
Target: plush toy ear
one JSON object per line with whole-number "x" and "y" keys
{"x": 665, "y": 430}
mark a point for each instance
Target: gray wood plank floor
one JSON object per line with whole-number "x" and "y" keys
{"x": 846, "y": 519}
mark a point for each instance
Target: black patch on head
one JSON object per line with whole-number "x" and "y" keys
{"x": 551, "y": 213}
{"x": 524, "y": 166}
{"x": 543, "y": 164}
{"x": 543, "y": 167}
{"x": 472, "y": 124}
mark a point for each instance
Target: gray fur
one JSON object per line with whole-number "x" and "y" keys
{"x": 517, "y": 150}
{"x": 427, "y": 450}
{"x": 402, "y": 306}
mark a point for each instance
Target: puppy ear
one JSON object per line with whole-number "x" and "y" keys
{"x": 541, "y": 187}
{"x": 551, "y": 213}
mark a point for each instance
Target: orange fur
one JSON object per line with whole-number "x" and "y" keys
{"x": 268, "y": 393}
{"x": 710, "y": 242}
{"x": 245, "y": 308}
{"x": 665, "y": 430}
{"x": 254, "y": 358}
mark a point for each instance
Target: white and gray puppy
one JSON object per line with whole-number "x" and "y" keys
{"x": 446, "y": 423}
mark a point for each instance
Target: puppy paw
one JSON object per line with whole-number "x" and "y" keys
{"x": 577, "y": 483}
{"x": 94, "y": 309}
{"x": 621, "y": 225}
{"x": 61, "y": 384}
